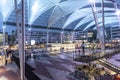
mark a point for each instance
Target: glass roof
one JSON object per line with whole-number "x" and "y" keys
{"x": 38, "y": 7}
{"x": 87, "y": 16}
{"x": 107, "y": 20}
{"x": 91, "y": 18}
{"x": 64, "y": 14}
{"x": 6, "y": 7}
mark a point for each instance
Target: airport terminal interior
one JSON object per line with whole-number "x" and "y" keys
{"x": 59, "y": 39}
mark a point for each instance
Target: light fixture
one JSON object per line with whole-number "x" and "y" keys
{"x": 3, "y": 26}
{"x": 117, "y": 12}
{"x": 26, "y": 42}
{"x": 32, "y": 42}
{"x": 29, "y": 29}
{"x": 92, "y": 1}
{"x": 62, "y": 32}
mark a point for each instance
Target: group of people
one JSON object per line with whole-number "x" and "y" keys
{"x": 80, "y": 49}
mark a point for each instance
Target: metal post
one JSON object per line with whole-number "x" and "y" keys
{"x": 72, "y": 36}
{"x": 61, "y": 34}
{"x": 87, "y": 35}
{"x": 4, "y": 51}
{"x": 95, "y": 18}
{"x": 22, "y": 58}
{"x": 47, "y": 37}
{"x": 111, "y": 35}
{"x": 29, "y": 35}
{"x": 20, "y": 34}
{"x": 29, "y": 24}
{"x": 61, "y": 37}
{"x": 98, "y": 28}
{"x": 3, "y": 35}
{"x": 17, "y": 21}
{"x": 103, "y": 21}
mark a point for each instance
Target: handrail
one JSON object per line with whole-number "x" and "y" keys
{"x": 93, "y": 57}
{"x": 109, "y": 65}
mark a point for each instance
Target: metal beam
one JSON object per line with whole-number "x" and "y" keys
{"x": 103, "y": 26}
{"x": 22, "y": 58}
{"x": 21, "y": 35}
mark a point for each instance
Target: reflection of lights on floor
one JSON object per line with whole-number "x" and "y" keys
{"x": 2, "y": 70}
{"x": 3, "y": 78}
{"x": 8, "y": 69}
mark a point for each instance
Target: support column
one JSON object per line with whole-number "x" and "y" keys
{"x": 22, "y": 40}
{"x": 4, "y": 39}
{"x": 100, "y": 30}
{"x": 103, "y": 27}
{"x": 72, "y": 37}
{"x": 17, "y": 12}
{"x": 21, "y": 35}
{"x": 47, "y": 38}
{"x": 3, "y": 27}
{"x": 61, "y": 36}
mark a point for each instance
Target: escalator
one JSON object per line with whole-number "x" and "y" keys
{"x": 110, "y": 66}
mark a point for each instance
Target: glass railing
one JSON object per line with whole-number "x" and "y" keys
{"x": 95, "y": 56}
{"x": 109, "y": 65}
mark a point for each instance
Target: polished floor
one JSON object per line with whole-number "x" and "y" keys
{"x": 49, "y": 67}
{"x": 8, "y": 73}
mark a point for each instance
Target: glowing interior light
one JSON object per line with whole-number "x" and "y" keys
{"x": 62, "y": 32}
{"x": 92, "y": 1}
{"x": 29, "y": 29}
{"x": 118, "y": 12}
{"x": 32, "y": 42}
{"x": 26, "y": 42}
{"x": 4, "y": 26}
